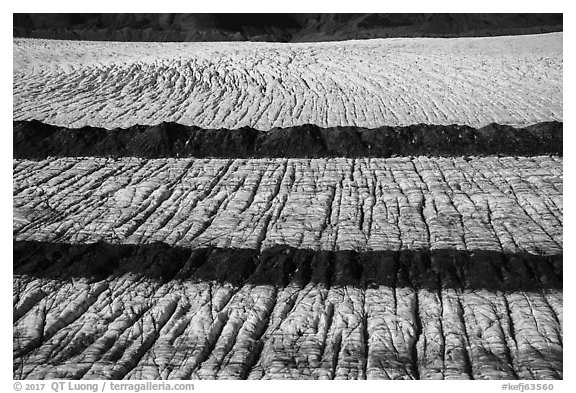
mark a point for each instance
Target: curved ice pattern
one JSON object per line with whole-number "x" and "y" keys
{"x": 472, "y": 81}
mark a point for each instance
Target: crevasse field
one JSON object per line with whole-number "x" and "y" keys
{"x": 473, "y": 81}
{"x": 396, "y": 267}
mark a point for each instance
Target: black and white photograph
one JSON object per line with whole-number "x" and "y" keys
{"x": 287, "y": 196}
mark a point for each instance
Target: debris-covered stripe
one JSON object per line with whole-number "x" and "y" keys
{"x": 155, "y": 311}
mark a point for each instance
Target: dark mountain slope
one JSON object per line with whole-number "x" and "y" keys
{"x": 276, "y": 27}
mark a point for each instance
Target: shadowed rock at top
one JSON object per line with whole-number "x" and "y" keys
{"x": 276, "y": 27}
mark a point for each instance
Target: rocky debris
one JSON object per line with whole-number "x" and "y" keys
{"x": 285, "y": 266}
{"x": 507, "y": 204}
{"x": 36, "y": 140}
{"x": 514, "y": 81}
{"x": 276, "y": 27}
{"x": 156, "y": 311}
